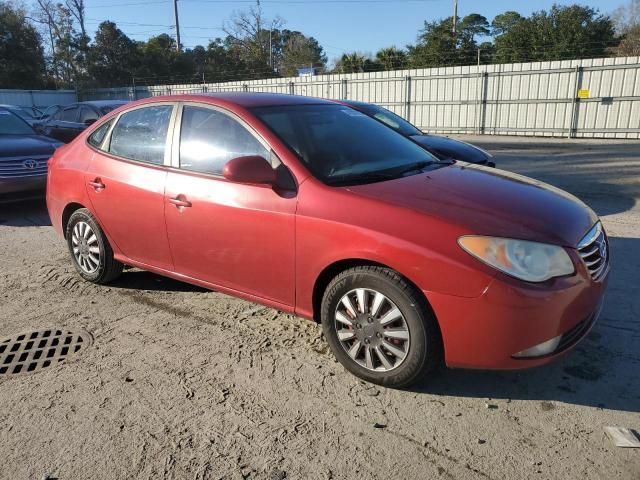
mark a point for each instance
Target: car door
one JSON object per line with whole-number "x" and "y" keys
{"x": 227, "y": 234}
{"x": 126, "y": 181}
{"x": 63, "y": 125}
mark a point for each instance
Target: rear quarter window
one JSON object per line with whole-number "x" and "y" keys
{"x": 97, "y": 137}
{"x": 141, "y": 134}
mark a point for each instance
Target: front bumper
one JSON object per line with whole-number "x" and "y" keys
{"x": 511, "y": 316}
{"x": 17, "y": 187}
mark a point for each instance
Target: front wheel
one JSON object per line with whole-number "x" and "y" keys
{"x": 379, "y": 327}
{"x": 90, "y": 250}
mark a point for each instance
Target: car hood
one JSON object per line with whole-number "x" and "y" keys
{"x": 489, "y": 201}
{"x": 451, "y": 148}
{"x": 26, "y": 145}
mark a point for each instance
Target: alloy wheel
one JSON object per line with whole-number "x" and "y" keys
{"x": 372, "y": 330}
{"x": 86, "y": 249}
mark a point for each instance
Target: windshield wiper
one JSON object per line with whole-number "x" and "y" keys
{"x": 420, "y": 166}
{"x": 364, "y": 177}
{"x": 413, "y": 167}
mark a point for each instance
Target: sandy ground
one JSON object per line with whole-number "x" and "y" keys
{"x": 187, "y": 384}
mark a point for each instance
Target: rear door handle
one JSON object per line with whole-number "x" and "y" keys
{"x": 97, "y": 184}
{"x": 180, "y": 201}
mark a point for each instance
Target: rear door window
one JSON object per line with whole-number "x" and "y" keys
{"x": 210, "y": 138}
{"x": 141, "y": 134}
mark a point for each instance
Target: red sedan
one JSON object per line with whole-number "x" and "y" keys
{"x": 313, "y": 208}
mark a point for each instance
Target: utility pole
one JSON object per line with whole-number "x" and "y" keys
{"x": 455, "y": 16}
{"x": 270, "y": 47}
{"x": 478, "y": 57}
{"x": 175, "y": 11}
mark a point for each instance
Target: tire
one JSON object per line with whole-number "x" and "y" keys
{"x": 90, "y": 251}
{"x": 414, "y": 336}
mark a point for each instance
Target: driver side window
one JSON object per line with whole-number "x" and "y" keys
{"x": 209, "y": 139}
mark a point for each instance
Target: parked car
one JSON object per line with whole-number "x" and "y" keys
{"x": 23, "y": 157}
{"x": 70, "y": 121}
{"x": 440, "y": 146}
{"x": 309, "y": 207}
{"x": 28, "y": 114}
{"x": 49, "y": 111}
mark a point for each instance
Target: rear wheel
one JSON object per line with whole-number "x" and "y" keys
{"x": 379, "y": 327}
{"x": 90, "y": 250}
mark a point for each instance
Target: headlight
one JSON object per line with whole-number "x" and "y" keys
{"x": 529, "y": 261}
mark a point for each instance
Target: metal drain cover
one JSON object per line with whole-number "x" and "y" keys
{"x": 33, "y": 351}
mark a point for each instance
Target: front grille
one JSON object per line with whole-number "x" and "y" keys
{"x": 594, "y": 250}
{"x": 23, "y": 167}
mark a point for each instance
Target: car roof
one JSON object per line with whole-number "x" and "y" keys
{"x": 356, "y": 103}
{"x": 101, "y": 103}
{"x": 247, "y": 99}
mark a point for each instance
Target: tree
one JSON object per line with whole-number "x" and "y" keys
{"x": 21, "y": 54}
{"x": 626, "y": 16}
{"x": 300, "y": 51}
{"x": 563, "y": 32}
{"x": 503, "y": 22}
{"x": 221, "y": 65}
{"x": 626, "y": 19}
{"x": 438, "y": 46}
{"x": 252, "y": 36}
{"x": 67, "y": 47}
{"x": 113, "y": 57}
{"x": 80, "y": 40}
{"x": 354, "y": 63}
{"x": 629, "y": 45}
{"x": 391, "y": 58}
{"x": 469, "y": 28}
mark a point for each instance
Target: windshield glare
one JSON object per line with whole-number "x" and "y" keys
{"x": 11, "y": 124}
{"x": 337, "y": 142}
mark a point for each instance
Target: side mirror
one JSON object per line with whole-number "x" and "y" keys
{"x": 90, "y": 121}
{"x": 252, "y": 169}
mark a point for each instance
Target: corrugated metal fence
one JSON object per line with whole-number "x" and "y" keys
{"x": 571, "y": 98}
{"x": 37, "y": 98}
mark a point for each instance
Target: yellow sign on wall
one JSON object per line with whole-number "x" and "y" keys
{"x": 583, "y": 93}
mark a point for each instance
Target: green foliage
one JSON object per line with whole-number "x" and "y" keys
{"x": 563, "y": 32}
{"x": 21, "y": 53}
{"x": 300, "y": 51}
{"x": 391, "y": 58}
{"x": 113, "y": 57}
{"x": 257, "y": 47}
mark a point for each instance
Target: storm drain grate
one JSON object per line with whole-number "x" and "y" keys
{"x": 33, "y": 351}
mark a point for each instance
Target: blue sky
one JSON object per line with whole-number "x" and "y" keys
{"x": 339, "y": 25}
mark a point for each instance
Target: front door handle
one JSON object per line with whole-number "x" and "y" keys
{"x": 180, "y": 202}
{"x": 97, "y": 184}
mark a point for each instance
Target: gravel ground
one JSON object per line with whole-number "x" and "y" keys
{"x": 184, "y": 383}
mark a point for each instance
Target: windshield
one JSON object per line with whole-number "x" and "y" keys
{"x": 341, "y": 145}
{"x": 11, "y": 124}
{"x": 390, "y": 119}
